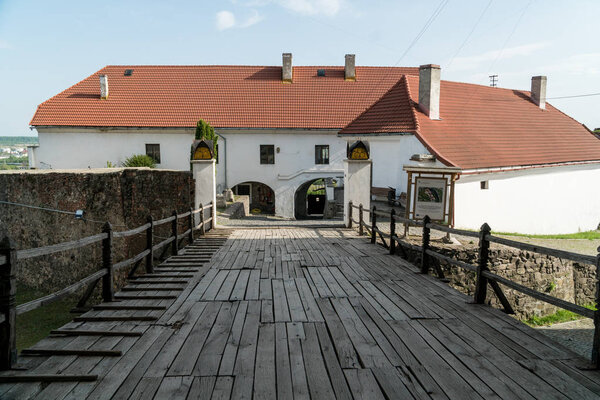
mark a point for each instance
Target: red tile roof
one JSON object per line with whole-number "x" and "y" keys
{"x": 225, "y": 96}
{"x": 480, "y": 127}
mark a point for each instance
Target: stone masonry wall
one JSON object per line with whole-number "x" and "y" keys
{"x": 124, "y": 196}
{"x": 559, "y": 278}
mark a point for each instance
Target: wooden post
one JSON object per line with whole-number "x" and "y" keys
{"x": 201, "y": 213}
{"x": 8, "y": 305}
{"x": 191, "y": 226}
{"x": 373, "y": 226}
{"x": 360, "y": 220}
{"x": 149, "y": 244}
{"x": 108, "y": 291}
{"x": 596, "y": 343}
{"x": 349, "y": 214}
{"x": 392, "y": 232}
{"x": 425, "y": 245}
{"x": 174, "y": 244}
{"x": 484, "y": 256}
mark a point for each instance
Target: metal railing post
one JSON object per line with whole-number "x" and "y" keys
{"x": 108, "y": 290}
{"x": 482, "y": 265}
{"x": 360, "y": 220}
{"x": 149, "y": 244}
{"x": 202, "y": 230}
{"x": 8, "y": 305}
{"x": 174, "y": 244}
{"x": 596, "y": 342}
{"x": 349, "y": 214}
{"x": 392, "y": 232}
{"x": 425, "y": 245}
{"x": 373, "y": 226}
{"x": 191, "y": 226}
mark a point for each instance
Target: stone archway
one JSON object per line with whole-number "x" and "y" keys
{"x": 318, "y": 199}
{"x": 261, "y": 196}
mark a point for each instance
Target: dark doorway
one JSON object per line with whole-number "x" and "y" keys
{"x": 315, "y": 203}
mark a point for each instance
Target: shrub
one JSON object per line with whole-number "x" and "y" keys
{"x": 140, "y": 160}
{"x": 206, "y": 132}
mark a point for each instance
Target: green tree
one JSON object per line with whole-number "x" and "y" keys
{"x": 206, "y": 132}
{"x": 140, "y": 160}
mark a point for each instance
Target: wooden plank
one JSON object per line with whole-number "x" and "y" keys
{"x": 80, "y": 332}
{"x": 214, "y": 346}
{"x": 363, "y": 384}
{"x": 316, "y": 373}
{"x": 252, "y": 291}
{"x": 188, "y": 354}
{"x": 282, "y": 362}
{"x": 280, "y": 304}
{"x": 244, "y": 365}
{"x": 20, "y": 378}
{"x": 233, "y": 340}
{"x": 390, "y": 382}
{"x": 338, "y": 381}
{"x": 343, "y": 345}
{"x": 309, "y": 303}
{"x": 174, "y": 387}
{"x": 293, "y": 300}
{"x": 202, "y": 387}
{"x": 299, "y": 382}
{"x": 223, "y": 387}
{"x": 239, "y": 291}
{"x": 228, "y": 284}
{"x": 264, "y": 371}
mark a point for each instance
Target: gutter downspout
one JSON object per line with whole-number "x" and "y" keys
{"x": 225, "y": 162}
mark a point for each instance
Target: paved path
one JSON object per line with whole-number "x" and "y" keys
{"x": 576, "y": 335}
{"x": 262, "y": 221}
{"x": 309, "y": 313}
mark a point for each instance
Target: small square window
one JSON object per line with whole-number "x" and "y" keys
{"x": 485, "y": 185}
{"x": 153, "y": 150}
{"x": 322, "y": 154}
{"x": 267, "y": 154}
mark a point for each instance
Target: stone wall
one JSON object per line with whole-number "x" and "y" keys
{"x": 123, "y": 196}
{"x": 559, "y": 278}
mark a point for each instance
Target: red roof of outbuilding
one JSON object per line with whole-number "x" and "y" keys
{"x": 480, "y": 126}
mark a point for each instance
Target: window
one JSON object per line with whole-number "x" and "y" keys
{"x": 153, "y": 150}
{"x": 267, "y": 154}
{"x": 322, "y": 154}
{"x": 485, "y": 185}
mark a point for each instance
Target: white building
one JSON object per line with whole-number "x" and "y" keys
{"x": 524, "y": 165}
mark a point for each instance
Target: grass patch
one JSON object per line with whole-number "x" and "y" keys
{"x": 589, "y": 235}
{"x": 35, "y": 325}
{"x": 556, "y": 318}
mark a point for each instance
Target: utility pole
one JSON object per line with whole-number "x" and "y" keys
{"x": 493, "y": 80}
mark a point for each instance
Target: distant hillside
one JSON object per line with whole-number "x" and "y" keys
{"x": 17, "y": 140}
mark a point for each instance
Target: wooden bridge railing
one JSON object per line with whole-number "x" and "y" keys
{"x": 484, "y": 276}
{"x": 9, "y": 257}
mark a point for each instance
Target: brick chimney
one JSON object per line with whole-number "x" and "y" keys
{"x": 429, "y": 90}
{"x": 538, "y": 91}
{"x": 286, "y": 71}
{"x": 350, "y": 68}
{"x": 103, "y": 87}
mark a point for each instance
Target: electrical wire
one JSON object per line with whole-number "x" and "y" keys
{"x": 470, "y": 34}
{"x": 56, "y": 211}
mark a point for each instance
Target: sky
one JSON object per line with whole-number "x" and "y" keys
{"x": 47, "y": 46}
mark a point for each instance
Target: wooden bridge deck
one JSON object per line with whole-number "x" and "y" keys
{"x": 306, "y": 313}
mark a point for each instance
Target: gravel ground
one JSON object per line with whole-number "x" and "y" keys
{"x": 575, "y": 335}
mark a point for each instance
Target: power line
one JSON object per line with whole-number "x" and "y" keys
{"x": 470, "y": 33}
{"x": 55, "y": 211}
{"x": 573, "y": 96}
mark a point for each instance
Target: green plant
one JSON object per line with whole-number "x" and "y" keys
{"x": 110, "y": 165}
{"x": 557, "y": 317}
{"x": 551, "y": 286}
{"x": 206, "y": 132}
{"x": 140, "y": 160}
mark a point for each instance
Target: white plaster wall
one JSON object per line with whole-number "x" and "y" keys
{"x": 204, "y": 191}
{"x": 535, "y": 201}
{"x": 294, "y": 164}
{"x": 69, "y": 148}
{"x": 357, "y": 176}
{"x": 389, "y": 154}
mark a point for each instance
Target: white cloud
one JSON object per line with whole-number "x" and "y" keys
{"x": 474, "y": 62}
{"x": 225, "y": 20}
{"x": 313, "y": 7}
{"x": 255, "y": 18}
{"x": 578, "y": 64}
{"x": 4, "y": 45}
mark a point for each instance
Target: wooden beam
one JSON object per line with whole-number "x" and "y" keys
{"x": 74, "y": 332}
{"x": 115, "y": 318}
{"x": 71, "y": 352}
{"x": 47, "y": 378}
